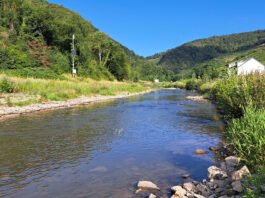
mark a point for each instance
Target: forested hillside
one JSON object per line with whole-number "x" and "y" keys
{"x": 35, "y": 41}
{"x": 184, "y": 59}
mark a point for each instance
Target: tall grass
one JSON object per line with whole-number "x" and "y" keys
{"x": 50, "y": 89}
{"x": 247, "y": 135}
{"x": 235, "y": 93}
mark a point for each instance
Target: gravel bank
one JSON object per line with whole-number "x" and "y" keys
{"x": 6, "y": 111}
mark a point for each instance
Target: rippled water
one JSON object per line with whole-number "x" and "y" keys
{"x": 102, "y": 150}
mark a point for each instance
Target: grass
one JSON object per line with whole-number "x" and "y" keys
{"x": 57, "y": 90}
{"x": 247, "y": 136}
{"x": 253, "y": 184}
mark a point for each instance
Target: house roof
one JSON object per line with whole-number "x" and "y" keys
{"x": 248, "y": 61}
{"x": 241, "y": 63}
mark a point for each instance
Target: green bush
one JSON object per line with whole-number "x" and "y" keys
{"x": 247, "y": 135}
{"x": 234, "y": 93}
{"x": 6, "y": 86}
{"x": 193, "y": 84}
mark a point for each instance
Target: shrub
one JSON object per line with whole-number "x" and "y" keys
{"x": 234, "y": 93}
{"x": 193, "y": 84}
{"x": 6, "y": 86}
{"x": 247, "y": 135}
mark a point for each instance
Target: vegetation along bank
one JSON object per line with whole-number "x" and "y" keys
{"x": 241, "y": 100}
{"x": 20, "y": 95}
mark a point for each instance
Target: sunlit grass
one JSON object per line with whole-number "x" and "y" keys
{"x": 71, "y": 88}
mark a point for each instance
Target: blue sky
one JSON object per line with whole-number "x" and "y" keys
{"x": 151, "y": 26}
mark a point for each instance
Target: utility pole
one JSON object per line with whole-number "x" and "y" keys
{"x": 73, "y": 53}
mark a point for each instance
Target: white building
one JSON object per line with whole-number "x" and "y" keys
{"x": 246, "y": 67}
{"x": 156, "y": 80}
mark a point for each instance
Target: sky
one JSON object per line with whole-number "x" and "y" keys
{"x": 151, "y": 26}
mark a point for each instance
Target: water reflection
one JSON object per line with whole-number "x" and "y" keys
{"x": 103, "y": 149}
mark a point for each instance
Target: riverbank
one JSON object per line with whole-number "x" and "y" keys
{"x": 26, "y": 95}
{"x": 241, "y": 100}
{"x": 7, "y": 111}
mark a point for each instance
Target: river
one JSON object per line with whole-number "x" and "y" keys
{"x": 102, "y": 150}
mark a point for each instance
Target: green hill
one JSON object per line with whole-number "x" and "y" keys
{"x": 36, "y": 41}
{"x": 185, "y": 58}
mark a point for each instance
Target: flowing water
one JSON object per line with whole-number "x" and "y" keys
{"x": 103, "y": 149}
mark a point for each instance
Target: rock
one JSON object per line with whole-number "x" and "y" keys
{"x": 224, "y": 196}
{"x": 178, "y": 190}
{"x": 203, "y": 189}
{"x": 214, "y": 172}
{"x": 152, "y": 196}
{"x": 237, "y": 186}
{"x": 200, "y": 152}
{"x": 212, "y": 148}
{"x": 239, "y": 174}
{"x": 219, "y": 190}
{"x": 212, "y": 196}
{"x": 174, "y": 196}
{"x": 219, "y": 183}
{"x": 223, "y": 166}
{"x": 186, "y": 176}
{"x": 207, "y": 192}
{"x": 195, "y": 182}
{"x": 231, "y": 161}
{"x": 211, "y": 185}
{"x": 228, "y": 192}
{"x": 198, "y": 196}
{"x": 189, "y": 186}
{"x": 147, "y": 185}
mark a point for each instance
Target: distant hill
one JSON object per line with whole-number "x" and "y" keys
{"x": 191, "y": 55}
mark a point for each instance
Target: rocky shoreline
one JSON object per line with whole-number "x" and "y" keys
{"x": 7, "y": 111}
{"x": 224, "y": 180}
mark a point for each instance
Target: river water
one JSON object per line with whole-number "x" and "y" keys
{"x": 101, "y": 150}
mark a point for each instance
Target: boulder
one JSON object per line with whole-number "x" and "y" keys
{"x": 198, "y": 196}
{"x": 186, "y": 176}
{"x": 220, "y": 183}
{"x": 237, "y": 186}
{"x": 214, "y": 172}
{"x": 219, "y": 190}
{"x": 200, "y": 152}
{"x": 200, "y": 188}
{"x": 212, "y": 148}
{"x": 147, "y": 185}
{"x": 178, "y": 190}
{"x": 231, "y": 161}
{"x": 152, "y": 196}
{"x": 223, "y": 166}
{"x": 211, "y": 185}
{"x": 237, "y": 175}
{"x": 212, "y": 196}
{"x": 189, "y": 186}
{"x": 203, "y": 189}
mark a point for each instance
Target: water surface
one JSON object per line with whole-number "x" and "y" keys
{"x": 102, "y": 150}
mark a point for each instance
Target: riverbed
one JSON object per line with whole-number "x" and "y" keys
{"x": 103, "y": 150}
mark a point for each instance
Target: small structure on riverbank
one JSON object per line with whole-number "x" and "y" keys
{"x": 245, "y": 67}
{"x": 156, "y": 81}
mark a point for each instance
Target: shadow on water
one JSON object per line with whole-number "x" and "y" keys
{"x": 103, "y": 149}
